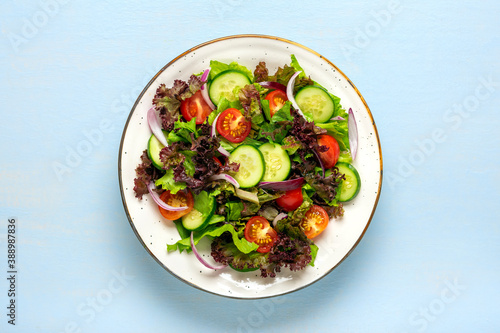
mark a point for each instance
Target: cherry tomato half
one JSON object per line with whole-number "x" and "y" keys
{"x": 315, "y": 221}
{"x": 233, "y": 126}
{"x": 217, "y": 161}
{"x": 291, "y": 200}
{"x": 331, "y": 156}
{"x": 277, "y": 99}
{"x": 195, "y": 106}
{"x": 259, "y": 231}
{"x": 179, "y": 199}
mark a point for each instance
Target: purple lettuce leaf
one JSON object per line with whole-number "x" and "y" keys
{"x": 287, "y": 252}
{"x": 145, "y": 172}
{"x": 193, "y": 163}
{"x": 168, "y": 100}
{"x": 261, "y": 73}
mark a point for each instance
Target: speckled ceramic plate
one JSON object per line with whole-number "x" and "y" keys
{"x": 341, "y": 236}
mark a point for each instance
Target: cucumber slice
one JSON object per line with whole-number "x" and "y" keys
{"x": 252, "y": 165}
{"x": 154, "y": 147}
{"x": 223, "y": 85}
{"x": 196, "y": 220}
{"x": 317, "y": 102}
{"x": 277, "y": 162}
{"x": 349, "y": 188}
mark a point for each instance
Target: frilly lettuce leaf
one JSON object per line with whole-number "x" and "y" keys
{"x": 223, "y": 105}
{"x": 217, "y": 67}
{"x": 214, "y": 231}
{"x": 339, "y": 130}
{"x": 167, "y": 182}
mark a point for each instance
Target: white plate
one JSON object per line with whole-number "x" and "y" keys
{"x": 341, "y": 236}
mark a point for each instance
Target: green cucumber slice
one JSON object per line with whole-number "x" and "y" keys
{"x": 277, "y": 162}
{"x": 196, "y": 219}
{"x": 223, "y": 85}
{"x": 252, "y": 165}
{"x": 317, "y": 102}
{"x": 154, "y": 147}
{"x": 349, "y": 188}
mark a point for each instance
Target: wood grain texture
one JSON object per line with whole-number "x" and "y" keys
{"x": 70, "y": 72}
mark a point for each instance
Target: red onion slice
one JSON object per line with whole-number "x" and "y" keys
{"x": 286, "y": 185}
{"x": 214, "y": 130}
{"x": 199, "y": 257}
{"x": 320, "y": 162}
{"x": 204, "y": 76}
{"x": 289, "y": 92}
{"x": 353, "y": 134}
{"x": 204, "y": 89}
{"x": 214, "y": 133}
{"x": 273, "y": 85}
{"x": 225, "y": 177}
{"x": 155, "y": 126}
{"x": 223, "y": 151}
{"x": 280, "y": 216}
{"x": 160, "y": 202}
{"x": 337, "y": 118}
{"x": 248, "y": 196}
{"x": 204, "y": 93}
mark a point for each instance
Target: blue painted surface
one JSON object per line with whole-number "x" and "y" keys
{"x": 430, "y": 72}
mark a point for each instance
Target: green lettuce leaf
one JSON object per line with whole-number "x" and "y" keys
{"x": 339, "y": 130}
{"x": 302, "y": 80}
{"x": 339, "y": 110}
{"x": 167, "y": 182}
{"x": 216, "y": 219}
{"x": 265, "y": 108}
{"x": 173, "y": 137}
{"x": 230, "y": 146}
{"x": 291, "y": 145}
{"x": 262, "y": 91}
{"x": 189, "y": 165}
{"x": 227, "y": 145}
{"x": 234, "y": 210}
{"x": 296, "y": 66}
{"x": 283, "y": 114}
{"x": 224, "y": 104}
{"x": 265, "y": 196}
{"x": 223, "y": 187}
{"x": 217, "y": 67}
{"x": 214, "y": 231}
{"x": 283, "y": 75}
{"x": 203, "y": 202}
{"x": 274, "y": 132}
{"x": 184, "y": 129}
{"x": 314, "y": 252}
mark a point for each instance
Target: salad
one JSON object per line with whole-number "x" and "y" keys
{"x": 258, "y": 163}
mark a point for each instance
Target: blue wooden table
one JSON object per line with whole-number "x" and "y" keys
{"x": 70, "y": 72}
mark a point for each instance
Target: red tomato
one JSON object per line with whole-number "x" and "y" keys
{"x": 179, "y": 199}
{"x": 331, "y": 156}
{"x": 217, "y": 161}
{"x": 315, "y": 221}
{"x": 233, "y": 126}
{"x": 259, "y": 231}
{"x": 291, "y": 200}
{"x": 276, "y": 100}
{"x": 195, "y": 106}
